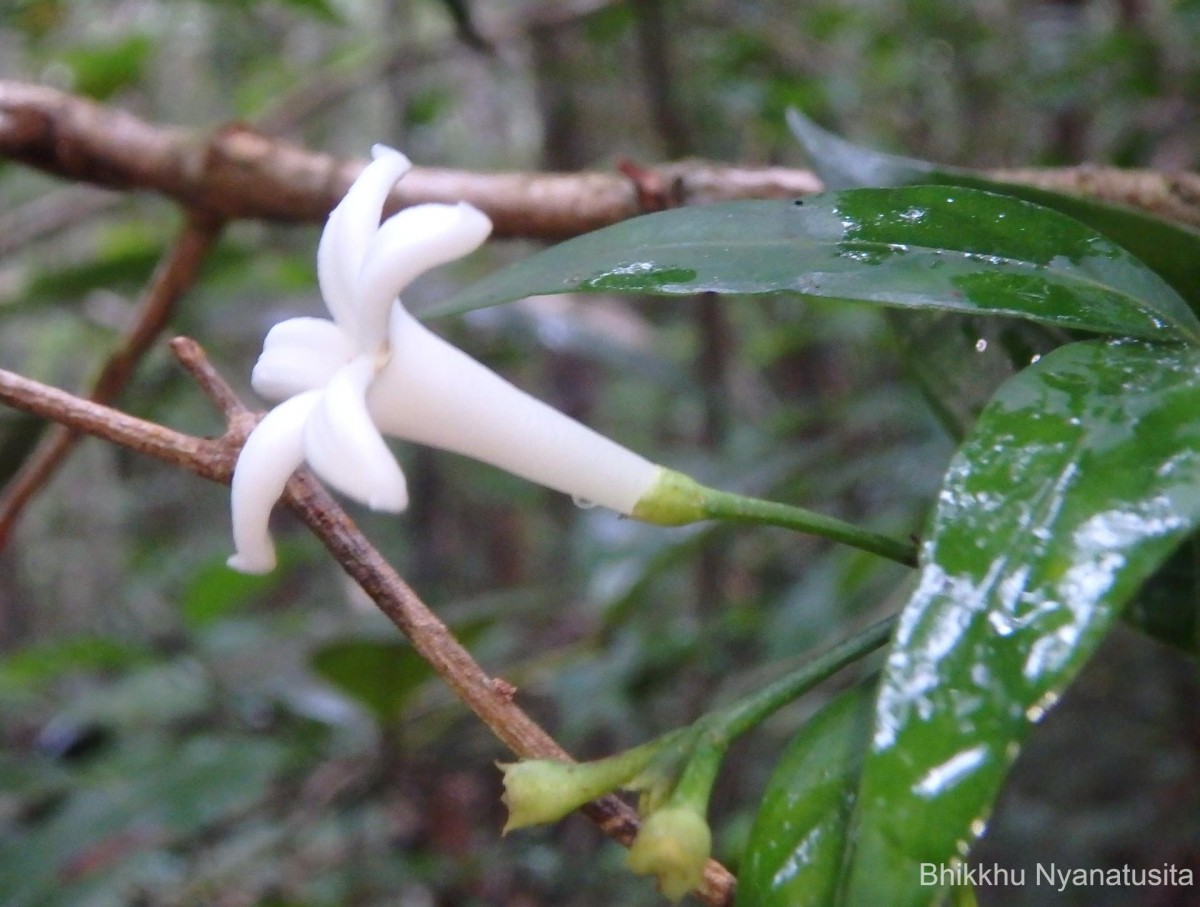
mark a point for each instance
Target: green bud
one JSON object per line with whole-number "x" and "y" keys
{"x": 539, "y": 791}
{"x": 674, "y": 499}
{"x": 673, "y": 845}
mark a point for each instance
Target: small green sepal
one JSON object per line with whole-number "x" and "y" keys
{"x": 674, "y": 499}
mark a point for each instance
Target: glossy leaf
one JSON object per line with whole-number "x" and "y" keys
{"x": 1170, "y": 249}
{"x": 794, "y": 855}
{"x": 924, "y": 247}
{"x": 1076, "y": 484}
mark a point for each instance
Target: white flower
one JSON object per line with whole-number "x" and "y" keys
{"x": 376, "y": 368}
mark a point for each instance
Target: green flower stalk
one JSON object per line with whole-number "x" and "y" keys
{"x": 676, "y": 499}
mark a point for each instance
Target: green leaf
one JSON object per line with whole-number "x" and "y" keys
{"x": 1076, "y": 484}
{"x": 101, "y": 70}
{"x": 380, "y": 675}
{"x": 794, "y": 855}
{"x": 317, "y": 9}
{"x": 924, "y": 247}
{"x": 141, "y": 800}
{"x": 213, "y": 591}
{"x": 1167, "y": 607}
{"x": 34, "y": 666}
{"x": 1170, "y": 249}
{"x": 958, "y": 361}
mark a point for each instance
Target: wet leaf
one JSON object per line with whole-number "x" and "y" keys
{"x": 1076, "y": 484}
{"x": 1170, "y": 249}
{"x": 794, "y": 855}
{"x": 923, "y": 247}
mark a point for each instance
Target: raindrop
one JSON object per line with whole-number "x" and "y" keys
{"x": 583, "y": 503}
{"x": 980, "y": 345}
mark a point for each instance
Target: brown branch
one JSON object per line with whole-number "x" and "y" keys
{"x": 488, "y": 697}
{"x": 239, "y": 173}
{"x": 1172, "y": 196}
{"x": 174, "y": 274}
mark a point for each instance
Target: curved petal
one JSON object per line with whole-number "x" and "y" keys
{"x": 300, "y": 354}
{"x": 343, "y": 446}
{"x": 348, "y": 231}
{"x": 269, "y": 457}
{"x": 408, "y": 244}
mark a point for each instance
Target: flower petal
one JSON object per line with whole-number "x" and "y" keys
{"x": 431, "y": 392}
{"x": 344, "y": 447}
{"x": 269, "y": 457}
{"x": 300, "y": 354}
{"x": 349, "y": 229}
{"x": 408, "y": 244}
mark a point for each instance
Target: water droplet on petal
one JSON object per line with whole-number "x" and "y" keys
{"x": 583, "y": 503}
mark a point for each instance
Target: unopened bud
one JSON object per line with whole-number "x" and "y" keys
{"x": 673, "y": 845}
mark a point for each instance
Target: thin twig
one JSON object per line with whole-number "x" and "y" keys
{"x": 173, "y": 276}
{"x": 488, "y": 697}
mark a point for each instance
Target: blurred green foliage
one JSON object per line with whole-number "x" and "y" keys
{"x": 171, "y": 733}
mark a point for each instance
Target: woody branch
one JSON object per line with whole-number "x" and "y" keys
{"x": 240, "y": 173}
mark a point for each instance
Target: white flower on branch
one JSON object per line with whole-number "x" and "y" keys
{"x": 374, "y": 368}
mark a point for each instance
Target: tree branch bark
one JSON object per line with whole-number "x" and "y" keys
{"x": 239, "y": 173}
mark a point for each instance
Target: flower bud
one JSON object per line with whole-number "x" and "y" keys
{"x": 539, "y": 791}
{"x": 673, "y": 844}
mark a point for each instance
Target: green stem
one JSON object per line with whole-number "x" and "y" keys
{"x": 676, "y": 499}
{"x": 724, "y": 505}
{"x": 734, "y": 720}
{"x": 698, "y": 776}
